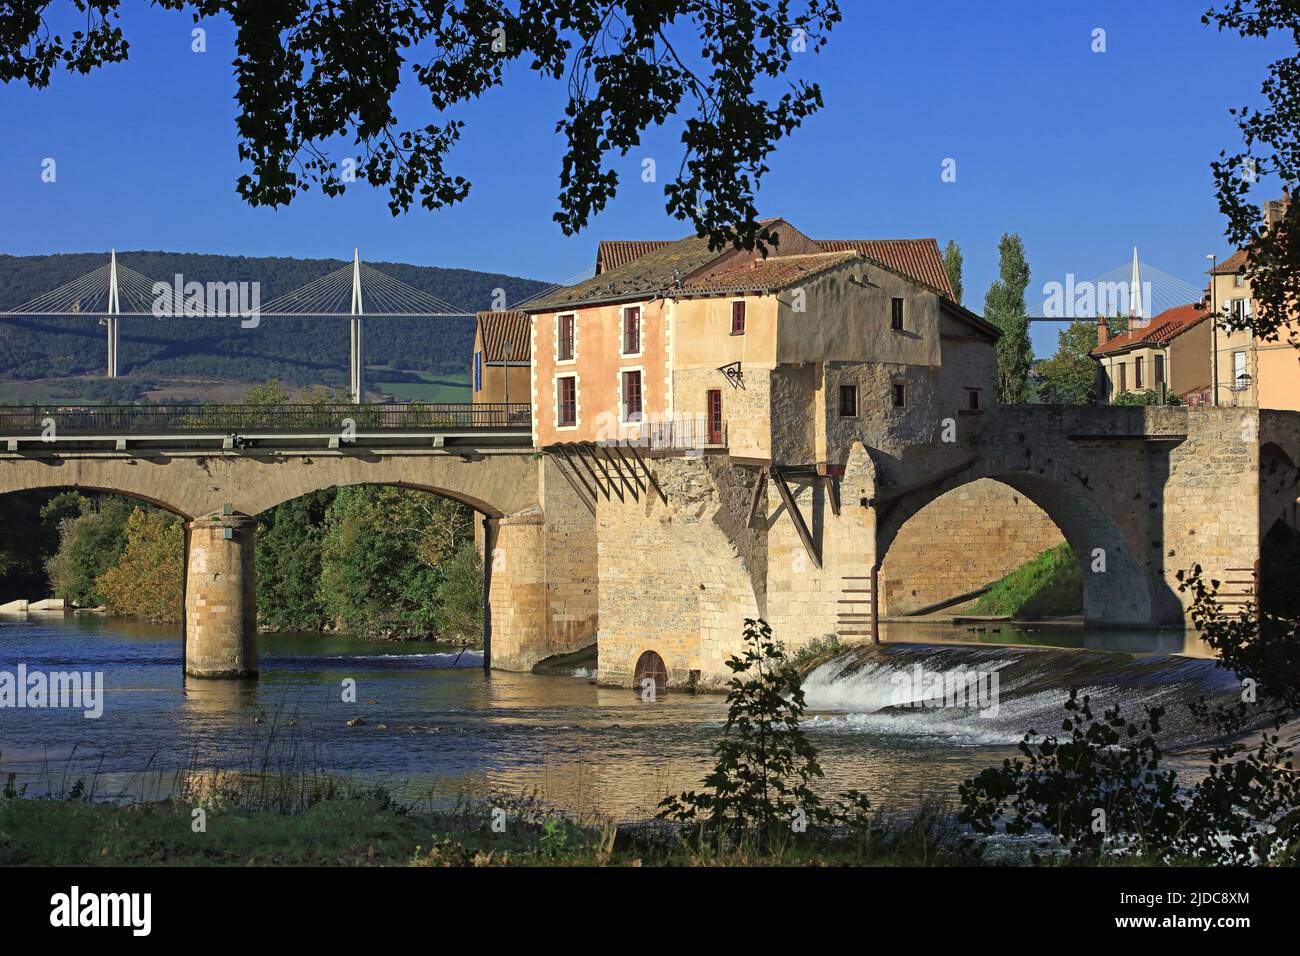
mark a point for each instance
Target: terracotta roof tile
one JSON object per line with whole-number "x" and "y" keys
{"x": 1232, "y": 265}
{"x": 612, "y": 253}
{"x": 770, "y": 274}
{"x": 509, "y": 326}
{"x": 1161, "y": 330}
{"x": 917, "y": 259}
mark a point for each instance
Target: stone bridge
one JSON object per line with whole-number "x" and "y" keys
{"x": 220, "y": 475}
{"x": 659, "y": 556}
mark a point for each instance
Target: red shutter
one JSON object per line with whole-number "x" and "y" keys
{"x": 715, "y": 416}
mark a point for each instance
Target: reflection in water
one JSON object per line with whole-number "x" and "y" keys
{"x": 429, "y": 723}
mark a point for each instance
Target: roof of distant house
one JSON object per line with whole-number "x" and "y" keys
{"x": 506, "y": 327}
{"x": 1160, "y": 331}
{"x": 1232, "y": 265}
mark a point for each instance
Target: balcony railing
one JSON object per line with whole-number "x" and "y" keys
{"x": 685, "y": 434}
{"x": 33, "y": 420}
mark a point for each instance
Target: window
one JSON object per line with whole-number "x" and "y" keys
{"x": 738, "y": 318}
{"x": 478, "y": 371}
{"x": 631, "y": 396}
{"x": 567, "y": 401}
{"x": 631, "y": 331}
{"x": 973, "y": 399}
{"x": 1123, "y": 378}
{"x": 714, "y": 400}
{"x": 564, "y": 348}
{"x": 1137, "y": 371}
{"x": 1160, "y": 371}
{"x": 1239, "y": 280}
{"x": 900, "y": 395}
{"x": 1238, "y": 369}
{"x": 848, "y": 401}
{"x": 896, "y": 315}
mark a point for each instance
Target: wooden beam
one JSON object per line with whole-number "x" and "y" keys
{"x": 833, "y": 493}
{"x": 756, "y": 499}
{"x": 589, "y": 502}
{"x": 650, "y": 475}
{"x": 568, "y": 456}
{"x": 796, "y": 515}
{"x": 592, "y": 471}
{"x": 631, "y": 469}
{"x": 621, "y": 477}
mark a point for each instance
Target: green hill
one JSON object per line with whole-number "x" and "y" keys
{"x": 296, "y": 351}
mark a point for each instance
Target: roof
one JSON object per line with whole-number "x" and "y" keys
{"x": 633, "y": 269}
{"x": 770, "y": 274}
{"x": 508, "y": 326}
{"x": 916, "y": 259}
{"x": 1160, "y": 331}
{"x": 612, "y": 253}
{"x": 1232, "y": 265}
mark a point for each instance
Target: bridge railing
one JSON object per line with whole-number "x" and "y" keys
{"x": 34, "y": 420}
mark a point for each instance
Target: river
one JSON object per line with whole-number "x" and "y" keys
{"x": 434, "y": 727}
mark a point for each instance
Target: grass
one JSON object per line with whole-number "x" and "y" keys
{"x": 431, "y": 387}
{"x": 360, "y": 831}
{"x": 1051, "y": 585}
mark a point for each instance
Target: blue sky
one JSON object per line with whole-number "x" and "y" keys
{"x": 1084, "y": 154}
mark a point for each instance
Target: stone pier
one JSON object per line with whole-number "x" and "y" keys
{"x": 221, "y": 597}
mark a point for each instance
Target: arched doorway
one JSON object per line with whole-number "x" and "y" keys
{"x": 651, "y": 665}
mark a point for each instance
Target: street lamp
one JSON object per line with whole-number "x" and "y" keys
{"x": 1214, "y": 330}
{"x": 509, "y": 351}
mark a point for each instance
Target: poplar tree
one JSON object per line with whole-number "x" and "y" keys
{"x": 952, "y": 264}
{"x": 1004, "y": 306}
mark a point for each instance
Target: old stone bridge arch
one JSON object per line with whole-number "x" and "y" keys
{"x": 533, "y": 536}
{"x": 1121, "y": 594}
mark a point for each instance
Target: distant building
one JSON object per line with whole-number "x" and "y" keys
{"x": 1251, "y": 372}
{"x": 500, "y": 369}
{"x": 787, "y": 358}
{"x": 1171, "y": 353}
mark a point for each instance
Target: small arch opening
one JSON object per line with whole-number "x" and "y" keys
{"x": 651, "y": 665}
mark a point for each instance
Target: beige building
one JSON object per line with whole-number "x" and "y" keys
{"x": 501, "y": 367}
{"x": 1251, "y": 372}
{"x": 1247, "y": 370}
{"x": 785, "y": 359}
{"x": 1170, "y": 353}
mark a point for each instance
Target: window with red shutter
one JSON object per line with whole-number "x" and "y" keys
{"x": 631, "y": 396}
{"x": 565, "y": 345}
{"x": 567, "y": 400}
{"x": 738, "y": 318}
{"x": 631, "y": 331}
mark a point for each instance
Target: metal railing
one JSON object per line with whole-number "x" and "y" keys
{"x": 687, "y": 432}
{"x": 33, "y": 420}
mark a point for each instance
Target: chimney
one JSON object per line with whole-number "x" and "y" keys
{"x": 1103, "y": 332}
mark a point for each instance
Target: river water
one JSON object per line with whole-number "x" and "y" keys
{"x": 434, "y": 727}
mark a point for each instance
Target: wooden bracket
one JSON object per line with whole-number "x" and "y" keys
{"x": 796, "y": 515}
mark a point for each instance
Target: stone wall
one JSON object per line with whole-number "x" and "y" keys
{"x": 963, "y": 540}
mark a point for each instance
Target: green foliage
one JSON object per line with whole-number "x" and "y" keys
{"x": 1070, "y": 376}
{"x": 29, "y": 536}
{"x": 146, "y": 581}
{"x": 1270, "y": 154}
{"x": 761, "y": 784}
{"x": 952, "y": 264}
{"x": 89, "y": 544}
{"x": 1050, "y": 585}
{"x": 289, "y": 539}
{"x": 1004, "y": 306}
{"x": 385, "y": 559}
{"x": 1100, "y": 783}
{"x": 1146, "y": 396}
{"x": 294, "y": 102}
